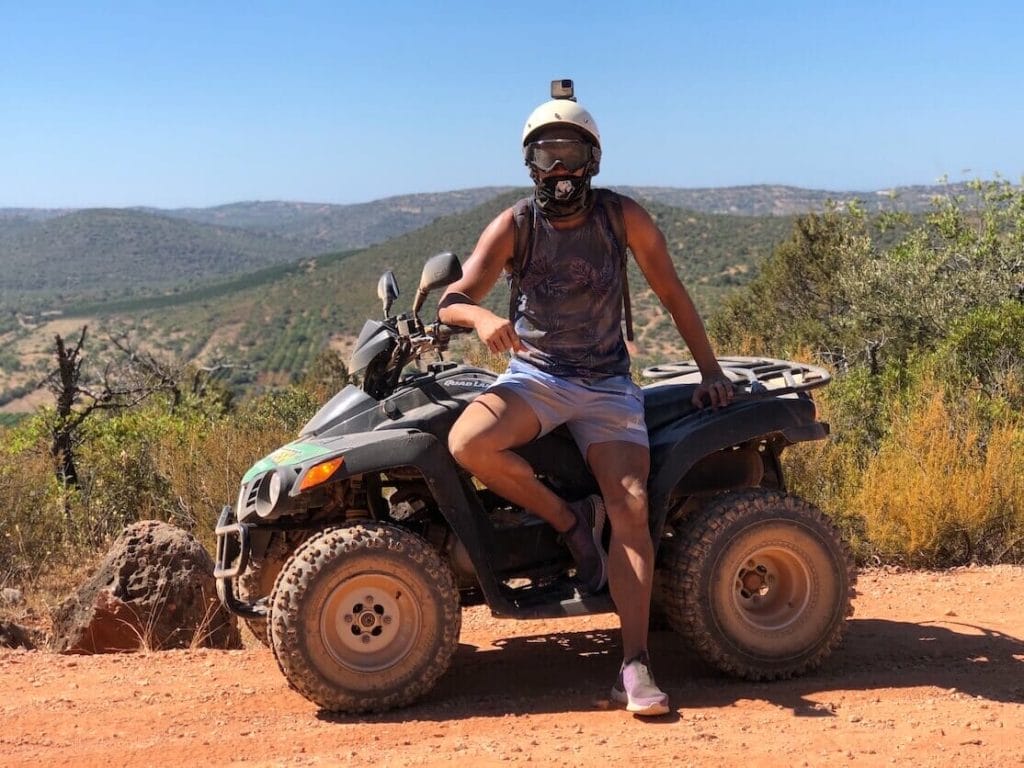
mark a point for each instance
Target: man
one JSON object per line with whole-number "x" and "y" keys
{"x": 570, "y": 365}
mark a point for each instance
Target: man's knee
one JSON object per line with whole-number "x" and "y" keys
{"x": 461, "y": 445}
{"x": 629, "y": 507}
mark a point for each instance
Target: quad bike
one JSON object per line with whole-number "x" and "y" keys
{"x": 355, "y": 547}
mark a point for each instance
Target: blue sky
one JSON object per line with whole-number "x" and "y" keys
{"x": 203, "y": 103}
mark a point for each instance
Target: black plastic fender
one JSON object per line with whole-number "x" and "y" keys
{"x": 382, "y": 450}
{"x": 678, "y": 446}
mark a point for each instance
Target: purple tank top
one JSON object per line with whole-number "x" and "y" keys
{"x": 569, "y": 313}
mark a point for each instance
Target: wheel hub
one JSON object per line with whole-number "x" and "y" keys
{"x": 368, "y": 619}
{"x": 369, "y": 623}
{"x": 772, "y": 588}
{"x": 754, "y": 580}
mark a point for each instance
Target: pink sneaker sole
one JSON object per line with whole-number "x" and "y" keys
{"x": 648, "y": 708}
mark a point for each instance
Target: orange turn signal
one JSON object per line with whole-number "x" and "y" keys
{"x": 320, "y": 472}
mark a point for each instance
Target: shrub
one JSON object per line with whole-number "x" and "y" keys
{"x": 984, "y": 354}
{"x": 942, "y": 492}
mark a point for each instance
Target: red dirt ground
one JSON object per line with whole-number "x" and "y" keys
{"x": 931, "y": 674}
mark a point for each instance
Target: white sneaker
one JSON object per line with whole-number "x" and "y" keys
{"x": 637, "y": 690}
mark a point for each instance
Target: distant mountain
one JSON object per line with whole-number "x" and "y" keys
{"x": 32, "y": 214}
{"x": 109, "y": 252}
{"x": 775, "y": 200}
{"x": 55, "y": 257}
{"x": 322, "y": 226}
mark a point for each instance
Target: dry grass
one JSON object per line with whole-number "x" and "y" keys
{"x": 945, "y": 487}
{"x": 182, "y": 472}
{"x": 942, "y": 491}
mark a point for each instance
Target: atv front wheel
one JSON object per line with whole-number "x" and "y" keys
{"x": 759, "y": 583}
{"x": 364, "y": 618}
{"x": 258, "y": 579}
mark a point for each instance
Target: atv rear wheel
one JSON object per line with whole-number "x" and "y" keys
{"x": 364, "y": 618}
{"x": 759, "y": 583}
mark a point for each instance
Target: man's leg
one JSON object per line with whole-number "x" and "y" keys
{"x": 481, "y": 441}
{"x": 621, "y": 469}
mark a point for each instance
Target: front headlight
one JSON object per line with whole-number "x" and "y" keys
{"x": 274, "y": 488}
{"x": 240, "y": 504}
{"x": 273, "y": 491}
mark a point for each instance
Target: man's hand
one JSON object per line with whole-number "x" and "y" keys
{"x": 497, "y": 333}
{"x": 715, "y": 390}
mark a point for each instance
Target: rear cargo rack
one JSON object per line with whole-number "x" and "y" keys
{"x": 756, "y": 375}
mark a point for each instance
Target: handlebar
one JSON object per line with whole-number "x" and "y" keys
{"x": 442, "y": 332}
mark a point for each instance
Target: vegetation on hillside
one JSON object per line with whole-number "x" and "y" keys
{"x": 271, "y": 323}
{"x": 110, "y": 253}
{"x": 322, "y": 226}
{"x": 921, "y": 319}
{"x": 778, "y": 200}
{"x": 926, "y": 333}
{"x": 56, "y": 261}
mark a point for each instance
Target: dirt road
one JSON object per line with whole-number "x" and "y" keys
{"x": 931, "y": 674}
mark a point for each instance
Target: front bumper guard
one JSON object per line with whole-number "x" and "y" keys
{"x": 233, "y": 551}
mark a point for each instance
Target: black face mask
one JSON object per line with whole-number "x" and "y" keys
{"x": 562, "y": 196}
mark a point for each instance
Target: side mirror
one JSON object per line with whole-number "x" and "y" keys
{"x": 387, "y": 291}
{"x": 440, "y": 270}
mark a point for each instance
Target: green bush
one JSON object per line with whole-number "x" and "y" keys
{"x": 984, "y": 353}
{"x": 924, "y": 325}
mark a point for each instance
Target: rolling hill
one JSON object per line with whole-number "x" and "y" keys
{"x": 94, "y": 255}
{"x": 249, "y": 282}
{"x": 323, "y": 227}
{"x": 271, "y": 323}
{"x": 57, "y": 258}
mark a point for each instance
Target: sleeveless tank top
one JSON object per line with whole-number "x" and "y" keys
{"x": 569, "y": 313}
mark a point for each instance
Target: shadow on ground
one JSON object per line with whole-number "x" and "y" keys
{"x": 573, "y": 671}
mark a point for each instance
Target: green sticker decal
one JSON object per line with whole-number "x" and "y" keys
{"x": 293, "y": 453}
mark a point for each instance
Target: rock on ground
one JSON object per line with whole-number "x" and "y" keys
{"x": 16, "y": 636}
{"x": 154, "y": 590}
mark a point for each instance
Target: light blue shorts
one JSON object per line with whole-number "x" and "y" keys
{"x": 594, "y": 410}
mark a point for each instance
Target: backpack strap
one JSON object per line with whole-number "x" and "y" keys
{"x": 612, "y": 203}
{"x": 522, "y": 218}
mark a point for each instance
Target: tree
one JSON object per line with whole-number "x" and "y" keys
{"x": 79, "y": 394}
{"x": 796, "y": 301}
{"x": 194, "y": 381}
{"x": 326, "y": 375}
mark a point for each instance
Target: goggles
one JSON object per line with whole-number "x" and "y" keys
{"x": 571, "y": 153}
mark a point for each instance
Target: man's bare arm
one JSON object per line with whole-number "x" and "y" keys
{"x": 459, "y": 303}
{"x": 648, "y": 245}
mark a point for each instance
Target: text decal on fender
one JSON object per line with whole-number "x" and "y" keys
{"x": 477, "y": 383}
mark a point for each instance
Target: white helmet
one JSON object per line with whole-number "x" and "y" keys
{"x": 563, "y": 111}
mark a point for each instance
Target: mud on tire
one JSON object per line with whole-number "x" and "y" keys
{"x": 759, "y": 583}
{"x": 258, "y": 579}
{"x": 364, "y": 618}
